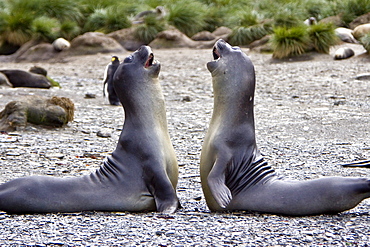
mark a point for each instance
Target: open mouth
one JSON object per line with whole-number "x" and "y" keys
{"x": 216, "y": 54}
{"x": 150, "y": 61}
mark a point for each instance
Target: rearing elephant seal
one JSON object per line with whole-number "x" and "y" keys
{"x": 234, "y": 175}
{"x": 140, "y": 175}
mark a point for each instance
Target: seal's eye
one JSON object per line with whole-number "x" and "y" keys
{"x": 128, "y": 59}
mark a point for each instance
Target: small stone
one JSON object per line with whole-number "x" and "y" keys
{"x": 90, "y": 96}
{"x": 170, "y": 232}
{"x": 104, "y": 133}
{"x": 54, "y": 155}
{"x": 85, "y": 131}
{"x": 186, "y": 99}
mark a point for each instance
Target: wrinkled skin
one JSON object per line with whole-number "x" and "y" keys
{"x": 234, "y": 175}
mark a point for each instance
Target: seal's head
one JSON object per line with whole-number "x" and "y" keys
{"x": 232, "y": 71}
{"x": 138, "y": 70}
{"x": 226, "y": 56}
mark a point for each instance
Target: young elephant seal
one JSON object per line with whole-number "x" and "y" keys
{"x": 234, "y": 175}
{"x": 140, "y": 175}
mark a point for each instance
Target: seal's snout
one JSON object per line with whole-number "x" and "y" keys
{"x": 219, "y": 48}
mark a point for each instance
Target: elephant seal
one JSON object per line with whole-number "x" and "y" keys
{"x": 234, "y": 175}
{"x": 108, "y": 80}
{"x": 61, "y": 44}
{"x": 345, "y": 34}
{"x": 21, "y": 78}
{"x": 140, "y": 175}
{"x": 343, "y": 53}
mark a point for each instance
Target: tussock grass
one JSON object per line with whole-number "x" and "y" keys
{"x": 288, "y": 42}
{"x": 15, "y": 28}
{"x": 69, "y": 30}
{"x": 365, "y": 41}
{"x": 246, "y": 35}
{"x": 187, "y": 16}
{"x": 45, "y": 28}
{"x": 106, "y": 20}
{"x": 147, "y": 31}
{"x": 351, "y": 9}
{"x": 322, "y": 37}
{"x": 21, "y": 20}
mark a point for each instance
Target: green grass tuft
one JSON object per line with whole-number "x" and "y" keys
{"x": 365, "y": 41}
{"x": 187, "y": 16}
{"x": 245, "y": 35}
{"x": 53, "y": 82}
{"x": 322, "y": 37}
{"x": 45, "y": 28}
{"x": 15, "y": 28}
{"x": 69, "y": 30}
{"x": 350, "y": 9}
{"x": 288, "y": 42}
{"x": 106, "y": 20}
{"x": 147, "y": 31}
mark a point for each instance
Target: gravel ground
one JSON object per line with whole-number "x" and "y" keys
{"x": 310, "y": 116}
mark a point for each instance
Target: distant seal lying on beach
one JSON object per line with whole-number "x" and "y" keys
{"x": 21, "y": 78}
{"x": 234, "y": 175}
{"x": 140, "y": 175}
{"x": 343, "y": 53}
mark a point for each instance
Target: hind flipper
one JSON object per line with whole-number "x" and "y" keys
{"x": 359, "y": 164}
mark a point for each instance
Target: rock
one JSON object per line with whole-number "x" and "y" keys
{"x": 221, "y": 31}
{"x": 363, "y": 19}
{"x": 54, "y": 155}
{"x": 93, "y": 43}
{"x": 104, "y": 133}
{"x": 203, "y": 36}
{"x": 186, "y": 99}
{"x": 172, "y": 38}
{"x": 335, "y": 20}
{"x": 260, "y": 42}
{"x": 90, "y": 96}
{"x": 126, "y": 38}
{"x": 54, "y": 112}
{"x": 13, "y": 57}
{"x": 170, "y": 232}
{"x": 39, "y": 52}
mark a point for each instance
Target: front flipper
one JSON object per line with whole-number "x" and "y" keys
{"x": 216, "y": 183}
{"x": 164, "y": 194}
